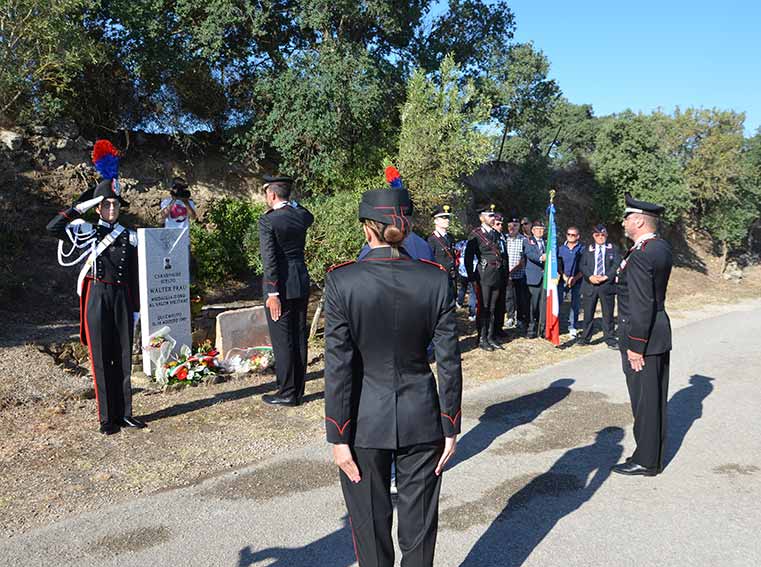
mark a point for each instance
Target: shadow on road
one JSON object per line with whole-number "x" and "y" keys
{"x": 684, "y": 408}
{"x": 532, "y": 512}
{"x": 500, "y": 418}
{"x": 335, "y": 549}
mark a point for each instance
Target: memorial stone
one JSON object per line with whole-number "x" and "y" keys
{"x": 163, "y": 256}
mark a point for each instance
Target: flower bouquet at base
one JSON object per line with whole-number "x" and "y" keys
{"x": 159, "y": 349}
{"x": 243, "y": 360}
{"x": 193, "y": 367}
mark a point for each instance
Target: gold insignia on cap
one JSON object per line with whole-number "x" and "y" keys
{"x": 446, "y": 208}
{"x": 492, "y": 207}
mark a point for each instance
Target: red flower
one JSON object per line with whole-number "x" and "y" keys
{"x": 182, "y": 373}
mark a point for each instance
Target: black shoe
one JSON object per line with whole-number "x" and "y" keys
{"x": 132, "y": 422}
{"x": 581, "y": 342}
{"x": 495, "y": 344}
{"x": 275, "y": 400}
{"x": 632, "y": 468}
{"x": 613, "y": 346}
{"x": 531, "y": 336}
{"x": 108, "y": 428}
{"x": 484, "y": 345}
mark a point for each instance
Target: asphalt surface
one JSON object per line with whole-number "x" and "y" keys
{"x": 530, "y": 484}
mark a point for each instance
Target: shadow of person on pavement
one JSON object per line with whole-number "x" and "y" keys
{"x": 532, "y": 512}
{"x": 335, "y": 549}
{"x": 500, "y": 418}
{"x": 684, "y": 408}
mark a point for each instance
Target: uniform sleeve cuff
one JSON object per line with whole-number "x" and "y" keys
{"x": 451, "y": 424}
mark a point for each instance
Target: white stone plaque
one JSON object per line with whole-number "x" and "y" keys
{"x": 164, "y": 255}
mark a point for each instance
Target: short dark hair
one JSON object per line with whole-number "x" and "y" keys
{"x": 280, "y": 189}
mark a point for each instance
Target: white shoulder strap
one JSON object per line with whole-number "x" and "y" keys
{"x": 95, "y": 252}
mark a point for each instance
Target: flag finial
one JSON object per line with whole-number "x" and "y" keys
{"x": 552, "y": 196}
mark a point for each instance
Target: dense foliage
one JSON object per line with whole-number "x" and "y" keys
{"x": 332, "y": 90}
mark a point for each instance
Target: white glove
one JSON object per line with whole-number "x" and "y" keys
{"x": 87, "y": 205}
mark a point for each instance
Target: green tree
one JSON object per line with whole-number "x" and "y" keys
{"x": 44, "y": 47}
{"x": 629, "y": 157}
{"x": 441, "y": 139}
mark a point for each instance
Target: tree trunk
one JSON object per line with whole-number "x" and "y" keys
{"x": 724, "y": 251}
{"x": 316, "y": 319}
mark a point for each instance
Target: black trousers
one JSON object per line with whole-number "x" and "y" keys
{"x": 501, "y": 309}
{"x": 607, "y": 299}
{"x": 648, "y": 392}
{"x": 371, "y": 510}
{"x": 486, "y": 308}
{"x": 289, "y": 336}
{"x": 108, "y": 329}
{"x": 517, "y": 300}
{"x": 537, "y": 303}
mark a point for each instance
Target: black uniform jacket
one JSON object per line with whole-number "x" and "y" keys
{"x": 443, "y": 251}
{"x": 282, "y": 238}
{"x": 116, "y": 265}
{"x": 492, "y": 261}
{"x": 611, "y": 261}
{"x": 381, "y": 313}
{"x": 642, "y": 279}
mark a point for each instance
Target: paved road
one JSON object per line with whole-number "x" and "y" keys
{"x": 530, "y": 485}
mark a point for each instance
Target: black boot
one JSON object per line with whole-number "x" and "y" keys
{"x": 483, "y": 341}
{"x": 490, "y": 338}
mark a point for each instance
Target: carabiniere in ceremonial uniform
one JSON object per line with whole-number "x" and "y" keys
{"x": 282, "y": 239}
{"x": 489, "y": 276}
{"x": 381, "y": 398}
{"x": 442, "y": 243}
{"x": 645, "y": 334}
{"x": 109, "y": 297}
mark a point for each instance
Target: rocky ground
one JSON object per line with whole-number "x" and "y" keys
{"x": 56, "y": 464}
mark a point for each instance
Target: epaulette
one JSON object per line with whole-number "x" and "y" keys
{"x": 334, "y": 266}
{"x": 432, "y": 263}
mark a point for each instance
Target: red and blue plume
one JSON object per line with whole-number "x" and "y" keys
{"x": 393, "y": 178}
{"x": 105, "y": 158}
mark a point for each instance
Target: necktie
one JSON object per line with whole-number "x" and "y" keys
{"x": 599, "y": 267}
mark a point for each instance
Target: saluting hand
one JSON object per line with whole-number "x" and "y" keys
{"x": 273, "y": 304}
{"x": 636, "y": 360}
{"x": 450, "y": 446}
{"x": 343, "y": 458}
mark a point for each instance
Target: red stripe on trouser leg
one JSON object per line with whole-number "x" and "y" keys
{"x": 92, "y": 361}
{"x": 479, "y": 299}
{"x": 354, "y": 540}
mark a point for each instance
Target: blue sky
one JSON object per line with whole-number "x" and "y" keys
{"x": 643, "y": 54}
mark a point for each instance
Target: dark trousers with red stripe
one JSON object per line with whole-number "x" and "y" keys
{"x": 289, "y": 336}
{"x": 486, "y": 310}
{"x": 648, "y": 392}
{"x": 108, "y": 329}
{"x": 371, "y": 509}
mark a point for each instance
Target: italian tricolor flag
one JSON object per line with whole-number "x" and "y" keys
{"x": 552, "y": 322}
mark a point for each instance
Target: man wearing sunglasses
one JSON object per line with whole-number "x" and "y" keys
{"x": 599, "y": 263}
{"x": 569, "y": 258}
{"x": 109, "y": 296}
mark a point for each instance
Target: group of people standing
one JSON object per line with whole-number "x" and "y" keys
{"x": 384, "y": 408}
{"x": 501, "y": 267}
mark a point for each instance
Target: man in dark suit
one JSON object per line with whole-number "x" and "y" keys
{"x": 282, "y": 238}
{"x": 382, "y": 404}
{"x": 488, "y": 277}
{"x": 599, "y": 262}
{"x": 442, "y": 243}
{"x": 644, "y": 332}
{"x": 535, "y": 257}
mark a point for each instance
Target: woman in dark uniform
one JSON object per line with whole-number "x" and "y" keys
{"x": 381, "y": 398}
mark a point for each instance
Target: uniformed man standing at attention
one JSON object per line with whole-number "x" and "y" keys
{"x": 107, "y": 287}
{"x": 381, "y": 398}
{"x": 488, "y": 277}
{"x": 282, "y": 238}
{"x": 645, "y": 334}
{"x": 442, "y": 243}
